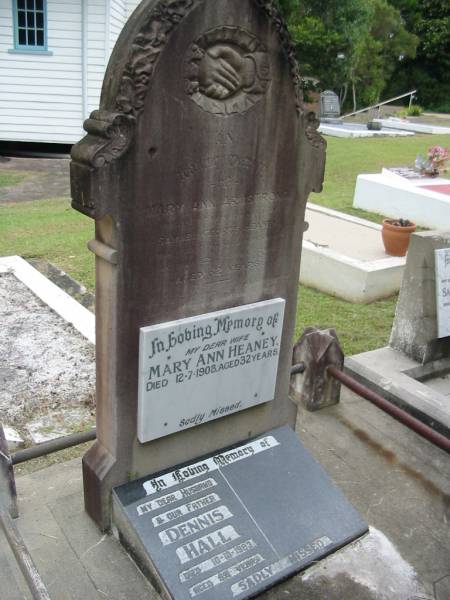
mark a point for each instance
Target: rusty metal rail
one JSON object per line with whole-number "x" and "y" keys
{"x": 24, "y": 560}
{"x": 400, "y": 415}
{"x": 8, "y": 510}
{"x": 46, "y": 448}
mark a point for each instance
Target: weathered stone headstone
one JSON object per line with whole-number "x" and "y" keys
{"x": 330, "y": 108}
{"x": 442, "y": 259}
{"x": 413, "y": 371}
{"x": 196, "y": 170}
{"x": 415, "y": 331}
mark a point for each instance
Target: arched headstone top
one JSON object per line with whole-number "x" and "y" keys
{"x": 134, "y": 61}
{"x": 150, "y": 29}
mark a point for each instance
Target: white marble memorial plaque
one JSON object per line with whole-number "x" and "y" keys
{"x": 202, "y": 368}
{"x": 443, "y": 291}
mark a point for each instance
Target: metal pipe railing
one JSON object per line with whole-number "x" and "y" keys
{"x": 400, "y": 415}
{"x": 46, "y": 448}
{"x": 361, "y": 110}
{"x": 23, "y": 558}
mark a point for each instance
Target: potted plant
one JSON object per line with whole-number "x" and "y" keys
{"x": 374, "y": 126}
{"x": 396, "y": 234}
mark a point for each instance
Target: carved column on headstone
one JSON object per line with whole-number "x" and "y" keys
{"x": 196, "y": 170}
{"x": 317, "y": 349}
{"x": 415, "y": 330}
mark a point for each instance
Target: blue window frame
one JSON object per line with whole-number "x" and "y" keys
{"x": 30, "y": 25}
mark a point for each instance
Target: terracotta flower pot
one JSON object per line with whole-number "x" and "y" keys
{"x": 396, "y": 237}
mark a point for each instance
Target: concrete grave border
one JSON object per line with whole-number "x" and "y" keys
{"x": 58, "y": 300}
{"x": 346, "y": 277}
{"x": 396, "y": 197}
{"x": 342, "y": 131}
{"x": 402, "y": 125}
{"x": 399, "y": 379}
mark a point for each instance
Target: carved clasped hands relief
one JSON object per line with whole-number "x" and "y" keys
{"x": 223, "y": 72}
{"x": 228, "y": 70}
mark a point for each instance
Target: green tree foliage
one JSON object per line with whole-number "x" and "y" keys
{"x": 429, "y": 70}
{"x": 328, "y": 35}
{"x": 383, "y": 50}
{"x": 349, "y": 44}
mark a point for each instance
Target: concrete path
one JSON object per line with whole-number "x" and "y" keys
{"x": 399, "y": 482}
{"x": 45, "y": 178}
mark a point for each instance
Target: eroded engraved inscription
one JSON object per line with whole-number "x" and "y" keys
{"x": 195, "y": 525}
{"x": 206, "y": 544}
{"x": 224, "y": 459}
{"x": 182, "y": 511}
{"x": 217, "y": 560}
{"x": 169, "y": 499}
{"x": 228, "y": 70}
{"x": 218, "y": 578}
{"x": 270, "y": 571}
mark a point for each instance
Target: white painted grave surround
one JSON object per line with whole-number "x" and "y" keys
{"x": 202, "y": 368}
{"x": 443, "y": 291}
{"x": 389, "y": 194}
{"x": 405, "y": 125}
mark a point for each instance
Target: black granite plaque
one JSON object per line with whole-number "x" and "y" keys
{"x": 233, "y": 524}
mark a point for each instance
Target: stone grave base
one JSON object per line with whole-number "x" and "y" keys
{"x": 332, "y": 120}
{"x": 344, "y": 256}
{"x": 396, "y": 480}
{"x": 422, "y": 390}
{"x": 404, "y": 125}
{"x": 230, "y": 525}
{"x": 358, "y": 130}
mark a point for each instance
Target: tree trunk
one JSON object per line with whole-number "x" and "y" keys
{"x": 344, "y": 92}
{"x": 354, "y": 96}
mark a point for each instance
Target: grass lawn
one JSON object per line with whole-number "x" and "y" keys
{"x": 52, "y": 230}
{"x": 10, "y": 178}
{"x": 348, "y": 158}
{"x": 360, "y": 327}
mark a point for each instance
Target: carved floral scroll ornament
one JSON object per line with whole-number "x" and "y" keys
{"x": 111, "y": 134}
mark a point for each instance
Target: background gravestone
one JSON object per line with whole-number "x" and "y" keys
{"x": 196, "y": 170}
{"x": 415, "y": 329}
{"x": 330, "y": 107}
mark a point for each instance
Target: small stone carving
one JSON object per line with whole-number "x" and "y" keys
{"x": 228, "y": 70}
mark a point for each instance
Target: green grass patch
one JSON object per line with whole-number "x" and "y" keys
{"x": 348, "y": 158}
{"x": 360, "y": 327}
{"x": 10, "y": 178}
{"x": 51, "y": 230}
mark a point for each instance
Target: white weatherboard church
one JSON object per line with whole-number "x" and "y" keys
{"x": 53, "y": 56}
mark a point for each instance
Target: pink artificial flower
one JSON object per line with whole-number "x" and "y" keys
{"x": 438, "y": 153}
